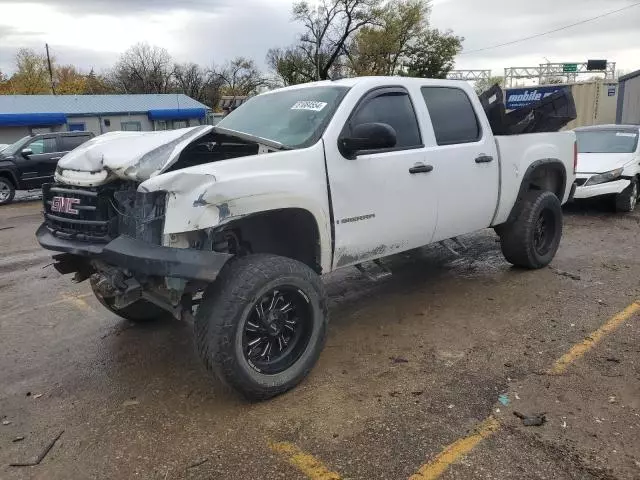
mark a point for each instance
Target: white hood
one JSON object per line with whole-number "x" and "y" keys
{"x": 602, "y": 162}
{"x": 130, "y": 155}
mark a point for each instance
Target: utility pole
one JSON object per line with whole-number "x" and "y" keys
{"x": 53, "y": 88}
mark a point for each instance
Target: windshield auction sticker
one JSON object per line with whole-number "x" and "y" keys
{"x": 309, "y": 105}
{"x": 626, "y": 134}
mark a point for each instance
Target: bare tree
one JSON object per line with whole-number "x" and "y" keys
{"x": 143, "y": 68}
{"x": 192, "y": 80}
{"x": 290, "y": 66}
{"x": 240, "y": 77}
{"x": 328, "y": 29}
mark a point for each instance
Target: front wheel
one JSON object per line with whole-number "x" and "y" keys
{"x": 532, "y": 240}
{"x": 7, "y": 191}
{"x": 262, "y": 324}
{"x": 627, "y": 199}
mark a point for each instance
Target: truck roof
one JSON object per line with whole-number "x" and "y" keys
{"x": 376, "y": 81}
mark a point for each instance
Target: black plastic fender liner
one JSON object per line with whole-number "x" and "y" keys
{"x": 142, "y": 257}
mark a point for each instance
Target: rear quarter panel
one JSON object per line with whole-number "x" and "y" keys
{"x": 518, "y": 152}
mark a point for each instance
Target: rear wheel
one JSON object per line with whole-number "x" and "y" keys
{"x": 532, "y": 240}
{"x": 140, "y": 311}
{"x": 627, "y": 200}
{"x": 262, "y": 324}
{"x": 7, "y": 191}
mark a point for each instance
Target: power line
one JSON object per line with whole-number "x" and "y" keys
{"x": 552, "y": 31}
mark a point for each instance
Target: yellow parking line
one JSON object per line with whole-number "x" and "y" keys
{"x": 578, "y": 350}
{"x": 461, "y": 447}
{"x": 78, "y": 302}
{"x": 456, "y": 451}
{"x": 313, "y": 468}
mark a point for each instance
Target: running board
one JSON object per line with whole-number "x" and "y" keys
{"x": 374, "y": 270}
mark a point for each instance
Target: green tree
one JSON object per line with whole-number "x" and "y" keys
{"x": 32, "y": 73}
{"x": 382, "y": 48}
{"x": 433, "y": 54}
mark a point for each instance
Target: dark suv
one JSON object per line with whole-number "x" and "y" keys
{"x": 31, "y": 161}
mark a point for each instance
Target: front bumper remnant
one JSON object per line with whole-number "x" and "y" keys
{"x": 140, "y": 257}
{"x": 607, "y": 188}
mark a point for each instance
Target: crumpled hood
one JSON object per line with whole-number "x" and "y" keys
{"x": 134, "y": 156}
{"x": 602, "y": 162}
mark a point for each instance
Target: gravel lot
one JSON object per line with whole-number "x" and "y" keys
{"x": 413, "y": 364}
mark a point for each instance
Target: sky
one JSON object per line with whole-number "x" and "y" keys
{"x": 93, "y": 33}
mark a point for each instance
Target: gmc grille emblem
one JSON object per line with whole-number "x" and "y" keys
{"x": 64, "y": 205}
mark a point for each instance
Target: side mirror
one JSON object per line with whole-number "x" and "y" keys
{"x": 26, "y": 152}
{"x": 367, "y": 136}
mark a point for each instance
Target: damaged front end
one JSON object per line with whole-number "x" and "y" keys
{"x": 127, "y": 212}
{"x": 113, "y": 234}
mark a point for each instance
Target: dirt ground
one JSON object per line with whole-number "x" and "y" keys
{"x": 413, "y": 363}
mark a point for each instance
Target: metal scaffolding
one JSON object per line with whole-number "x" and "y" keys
{"x": 545, "y": 71}
{"x": 469, "y": 75}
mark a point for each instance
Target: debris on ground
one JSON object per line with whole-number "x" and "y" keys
{"x": 612, "y": 399}
{"x": 18, "y": 439}
{"x": 394, "y": 394}
{"x": 198, "y": 463}
{"x": 40, "y": 457}
{"x": 398, "y": 360}
{"x": 613, "y": 359}
{"x": 562, "y": 273}
{"x": 535, "y": 420}
{"x": 130, "y": 402}
{"x": 504, "y": 399}
{"x": 6, "y": 422}
{"x": 37, "y": 395}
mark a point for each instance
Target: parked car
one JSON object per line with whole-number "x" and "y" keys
{"x": 295, "y": 183}
{"x": 31, "y": 161}
{"x": 609, "y": 164}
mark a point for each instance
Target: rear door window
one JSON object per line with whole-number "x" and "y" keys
{"x": 452, "y": 115}
{"x": 69, "y": 143}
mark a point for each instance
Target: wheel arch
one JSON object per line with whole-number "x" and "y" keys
{"x": 9, "y": 175}
{"x": 548, "y": 174}
{"x": 291, "y": 232}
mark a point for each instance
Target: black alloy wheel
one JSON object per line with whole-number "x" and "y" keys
{"x": 277, "y": 331}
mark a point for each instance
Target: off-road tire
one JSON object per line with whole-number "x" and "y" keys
{"x": 627, "y": 199}
{"x": 6, "y": 184}
{"x": 226, "y": 306}
{"x": 138, "y": 312}
{"x": 517, "y": 238}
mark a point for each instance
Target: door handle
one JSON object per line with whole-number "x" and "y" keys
{"x": 420, "y": 168}
{"x": 55, "y": 158}
{"x": 484, "y": 159}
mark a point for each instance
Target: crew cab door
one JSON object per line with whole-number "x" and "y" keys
{"x": 463, "y": 152}
{"x": 39, "y": 166}
{"x": 383, "y": 201}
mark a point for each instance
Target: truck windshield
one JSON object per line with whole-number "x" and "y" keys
{"x": 607, "y": 141}
{"x": 294, "y": 118}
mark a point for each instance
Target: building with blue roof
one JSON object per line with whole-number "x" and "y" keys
{"x": 22, "y": 115}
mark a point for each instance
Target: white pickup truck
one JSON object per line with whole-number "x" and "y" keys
{"x": 234, "y": 224}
